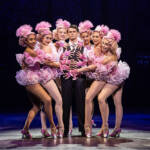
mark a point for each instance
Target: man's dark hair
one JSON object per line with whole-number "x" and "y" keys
{"x": 75, "y": 27}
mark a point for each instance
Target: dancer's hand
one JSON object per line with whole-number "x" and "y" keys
{"x": 23, "y": 65}
{"x": 114, "y": 45}
{"x": 66, "y": 45}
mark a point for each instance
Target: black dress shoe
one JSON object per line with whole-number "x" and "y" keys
{"x": 83, "y": 134}
{"x": 66, "y": 134}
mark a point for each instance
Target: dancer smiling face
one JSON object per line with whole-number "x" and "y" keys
{"x": 62, "y": 34}
{"x": 30, "y": 41}
{"x": 46, "y": 39}
{"x": 86, "y": 36}
{"x": 109, "y": 45}
{"x": 106, "y": 45}
{"x": 96, "y": 38}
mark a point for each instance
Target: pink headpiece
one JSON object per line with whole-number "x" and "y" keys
{"x": 102, "y": 28}
{"x": 85, "y": 26}
{"x": 24, "y": 31}
{"x": 62, "y": 23}
{"x": 43, "y": 27}
{"x": 114, "y": 34}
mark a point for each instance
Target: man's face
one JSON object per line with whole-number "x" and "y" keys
{"x": 72, "y": 33}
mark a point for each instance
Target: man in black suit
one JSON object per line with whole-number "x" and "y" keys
{"x": 73, "y": 89}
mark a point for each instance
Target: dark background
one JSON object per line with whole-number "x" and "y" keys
{"x": 130, "y": 17}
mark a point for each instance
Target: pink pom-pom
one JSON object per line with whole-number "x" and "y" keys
{"x": 19, "y": 58}
{"x": 41, "y": 55}
{"x": 88, "y": 24}
{"x": 24, "y": 31}
{"x": 60, "y": 43}
{"x": 66, "y": 53}
{"x": 120, "y": 74}
{"x": 64, "y": 67}
{"x": 82, "y": 57}
{"x": 43, "y": 25}
{"x": 79, "y": 64}
{"x": 45, "y": 75}
{"x": 116, "y": 35}
{"x": 88, "y": 47}
{"x": 62, "y": 23}
{"x": 26, "y": 54}
{"x": 59, "y": 22}
{"x": 102, "y": 28}
{"x": 85, "y": 26}
{"x": 98, "y": 28}
{"x": 66, "y": 24}
{"x": 118, "y": 52}
{"x": 20, "y": 77}
{"x": 29, "y": 61}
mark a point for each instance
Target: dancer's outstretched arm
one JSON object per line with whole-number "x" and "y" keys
{"x": 86, "y": 69}
{"x": 52, "y": 64}
{"x": 109, "y": 59}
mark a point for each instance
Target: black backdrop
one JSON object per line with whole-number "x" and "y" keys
{"x": 130, "y": 17}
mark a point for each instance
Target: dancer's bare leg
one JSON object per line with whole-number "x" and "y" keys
{"x": 43, "y": 120}
{"x": 32, "y": 113}
{"x": 55, "y": 94}
{"x": 58, "y": 83}
{"x": 94, "y": 89}
{"x": 117, "y": 97}
{"x": 86, "y": 90}
{"x": 100, "y": 132}
{"x": 107, "y": 90}
{"x": 38, "y": 90}
{"x": 43, "y": 123}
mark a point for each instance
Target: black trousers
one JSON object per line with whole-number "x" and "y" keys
{"x": 73, "y": 90}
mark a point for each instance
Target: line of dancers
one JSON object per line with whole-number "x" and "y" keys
{"x": 81, "y": 64}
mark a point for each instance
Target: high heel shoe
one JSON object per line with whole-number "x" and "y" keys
{"x": 70, "y": 132}
{"x": 93, "y": 123}
{"x": 88, "y": 133}
{"x": 116, "y": 132}
{"x": 105, "y": 132}
{"x": 45, "y": 133}
{"x": 26, "y": 134}
{"x": 60, "y": 132}
{"x": 53, "y": 132}
{"x": 100, "y": 133}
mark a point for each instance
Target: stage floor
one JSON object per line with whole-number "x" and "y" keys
{"x": 135, "y": 134}
{"x": 129, "y": 140}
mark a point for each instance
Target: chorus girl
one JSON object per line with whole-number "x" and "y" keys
{"x": 30, "y": 79}
{"x": 85, "y": 35}
{"x": 51, "y": 71}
